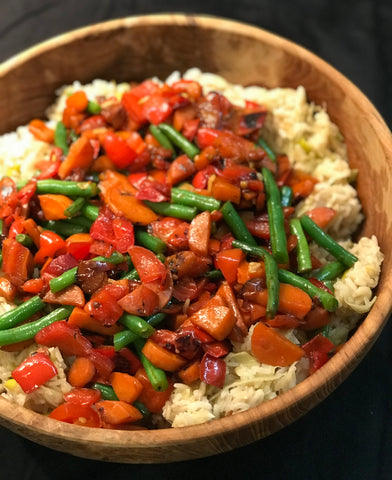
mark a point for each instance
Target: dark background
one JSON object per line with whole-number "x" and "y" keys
{"x": 348, "y": 436}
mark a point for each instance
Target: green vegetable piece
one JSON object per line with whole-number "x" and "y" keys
{"x": 24, "y": 239}
{"x": 264, "y": 145}
{"x": 286, "y": 196}
{"x": 93, "y": 107}
{"x": 21, "y": 313}
{"x": 191, "y": 199}
{"x": 68, "y": 188}
{"x": 236, "y": 224}
{"x": 179, "y": 140}
{"x": 172, "y": 210}
{"x": 328, "y": 301}
{"x": 137, "y": 325}
{"x": 146, "y": 240}
{"x": 271, "y": 273}
{"x": 327, "y": 242}
{"x": 304, "y": 261}
{"x": 125, "y": 337}
{"x": 156, "y": 375}
{"x": 330, "y": 271}
{"x": 75, "y": 207}
{"x": 161, "y": 137}
{"x": 60, "y": 137}
{"x": 90, "y": 211}
{"x": 107, "y": 392}
{"x": 275, "y": 218}
{"x": 29, "y": 330}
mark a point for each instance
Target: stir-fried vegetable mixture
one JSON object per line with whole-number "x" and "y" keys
{"x": 159, "y": 231}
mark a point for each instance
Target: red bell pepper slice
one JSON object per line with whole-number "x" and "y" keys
{"x": 123, "y": 234}
{"x": 217, "y": 349}
{"x": 34, "y": 371}
{"x": 67, "y": 338}
{"x": 317, "y": 350}
{"x": 17, "y": 261}
{"x": 103, "y": 306}
{"x": 49, "y": 244}
{"x": 212, "y": 370}
{"x": 82, "y": 396}
{"x": 61, "y": 264}
{"x": 102, "y": 228}
{"x": 83, "y": 415}
{"x": 118, "y": 150}
{"x": 206, "y": 137}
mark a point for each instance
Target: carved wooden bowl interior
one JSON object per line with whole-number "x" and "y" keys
{"x": 138, "y": 47}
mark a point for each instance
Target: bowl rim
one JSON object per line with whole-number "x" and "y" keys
{"x": 352, "y": 352}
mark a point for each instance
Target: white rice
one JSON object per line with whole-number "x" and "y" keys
{"x": 313, "y": 144}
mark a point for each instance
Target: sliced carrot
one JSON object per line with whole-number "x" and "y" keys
{"x": 118, "y": 194}
{"x": 102, "y": 163}
{"x": 41, "y": 131}
{"x": 117, "y": 412}
{"x": 248, "y": 270}
{"x": 72, "y": 295}
{"x": 34, "y": 285}
{"x": 225, "y": 191}
{"x": 213, "y": 246}
{"x": 80, "y": 155}
{"x": 228, "y": 262}
{"x": 126, "y": 387}
{"x": 32, "y": 230}
{"x": 162, "y": 358}
{"x": 150, "y": 398}
{"x": 77, "y": 100}
{"x": 80, "y": 318}
{"x": 180, "y": 169}
{"x": 54, "y": 205}
{"x": 181, "y": 115}
{"x": 321, "y": 215}
{"x": 291, "y": 300}
{"x": 81, "y": 372}
{"x": 273, "y": 349}
{"x": 191, "y": 373}
{"x": 199, "y": 233}
{"x": 215, "y": 318}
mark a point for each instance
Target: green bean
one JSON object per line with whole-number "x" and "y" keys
{"x": 328, "y": 301}
{"x": 327, "y": 242}
{"x": 286, "y": 196}
{"x": 1, "y": 227}
{"x": 330, "y": 271}
{"x": 60, "y": 137}
{"x": 179, "y": 140}
{"x": 236, "y": 224}
{"x": 172, "y": 210}
{"x": 146, "y": 240}
{"x": 137, "y": 325}
{"x": 64, "y": 280}
{"x": 70, "y": 276}
{"x": 24, "y": 239}
{"x": 107, "y": 392}
{"x": 131, "y": 275}
{"x": 191, "y": 199}
{"x": 161, "y": 137}
{"x": 29, "y": 330}
{"x": 93, "y": 107}
{"x": 63, "y": 228}
{"x": 68, "y": 188}
{"x": 304, "y": 261}
{"x": 23, "y": 312}
{"x": 264, "y": 145}
{"x": 156, "y": 375}
{"x": 275, "y": 218}
{"x": 75, "y": 207}
{"x": 271, "y": 273}
{"x": 161, "y": 257}
{"x": 81, "y": 221}
{"x": 125, "y": 337}
{"x": 142, "y": 408}
{"x": 214, "y": 275}
{"x": 90, "y": 211}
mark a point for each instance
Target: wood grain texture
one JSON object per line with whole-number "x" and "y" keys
{"x": 139, "y": 47}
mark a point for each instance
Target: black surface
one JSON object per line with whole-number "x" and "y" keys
{"x": 348, "y": 436}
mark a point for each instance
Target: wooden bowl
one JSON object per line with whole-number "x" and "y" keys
{"x": 138, "y": 47}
